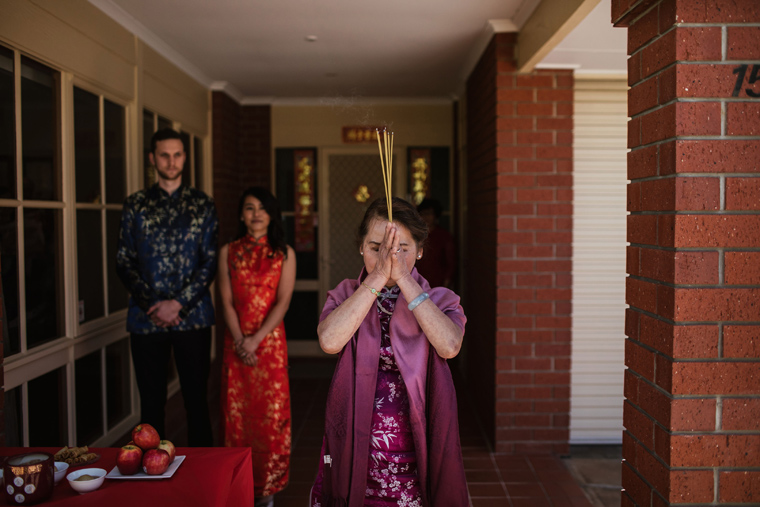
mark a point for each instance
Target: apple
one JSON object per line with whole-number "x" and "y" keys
{"x": 145, "y": 436}
{"x": 129, "y": 459}
{"x": 155, "y": 461}
{"x": 168, "y": 447}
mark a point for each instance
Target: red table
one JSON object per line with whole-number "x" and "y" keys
{"x": 209, "y": 476}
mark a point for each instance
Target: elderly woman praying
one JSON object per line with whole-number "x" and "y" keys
{"x": 391, "y": 430}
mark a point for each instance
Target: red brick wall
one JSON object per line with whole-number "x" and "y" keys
{"x": 242, "y": 158}
{"x": 226, "y": 165}
{"x": 692, "y": 386}
{"x": 255, "y": 146}
{"x": 520, "y": 195}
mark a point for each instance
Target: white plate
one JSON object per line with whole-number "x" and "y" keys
{"x": 115, "y": 474}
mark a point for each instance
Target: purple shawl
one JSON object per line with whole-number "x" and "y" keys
{"x": 432, "y": 403}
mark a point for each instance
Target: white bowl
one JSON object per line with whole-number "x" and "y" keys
{"x": 87, "y": 486}
{"x": 60, "y": 470}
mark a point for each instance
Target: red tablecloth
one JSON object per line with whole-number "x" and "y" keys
{"x": 209, "y": 476}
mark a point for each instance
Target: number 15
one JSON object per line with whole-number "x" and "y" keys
{"x": 742, "y": 71}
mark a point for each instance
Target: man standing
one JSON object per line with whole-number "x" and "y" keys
{"x": 167, "y": 259}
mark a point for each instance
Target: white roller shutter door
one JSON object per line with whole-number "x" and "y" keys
{"x": 599, "y": 247}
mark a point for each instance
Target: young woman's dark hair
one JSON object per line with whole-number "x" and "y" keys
{"x": 275, "y": 231}
{"x": 404, "y": 213}
{"x": 163, "y": 135}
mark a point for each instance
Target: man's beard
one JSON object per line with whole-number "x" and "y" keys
{"x": 164, "y": 176}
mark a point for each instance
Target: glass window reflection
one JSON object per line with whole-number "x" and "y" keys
{"x": 90, "y": 263}
{"x": 12, "y": 415}
{"x": 40, "y": 132}
{"x": 48, "y": 422}
{"x": 117, "y": 294}
{"x": 118, "y": 382}
{"x": 198, "y": 162}
{"x": 89, "y": 398}
{"x": 115, "y": 152}
{"x": 87, "y": 146}
{"x": 149, "y": 174}
{"x": 7, "y": 126}
{"x": 9, "y": 266}
{"x": 43, "y": 275}
{"x": 164, "y": 123}
{"x": 187, "y": 173}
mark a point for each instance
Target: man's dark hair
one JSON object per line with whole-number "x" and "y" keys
{"x": 429, "y": 203}
{"x": 163, "y": 135}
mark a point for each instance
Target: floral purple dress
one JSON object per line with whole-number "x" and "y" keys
{"x": 392, "y": 466}
{"x": 392, "y": 471}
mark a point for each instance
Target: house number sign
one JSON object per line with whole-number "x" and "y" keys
{"x": 741, "y": 73}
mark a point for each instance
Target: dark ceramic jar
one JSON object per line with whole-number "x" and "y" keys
{"x": 28, "y": 478}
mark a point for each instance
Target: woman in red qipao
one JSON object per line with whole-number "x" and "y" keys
{"x": 391, "y": 429}
{"x": 257, "y": 274}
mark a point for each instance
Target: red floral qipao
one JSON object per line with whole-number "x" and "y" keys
{"x": 256, "y": 399}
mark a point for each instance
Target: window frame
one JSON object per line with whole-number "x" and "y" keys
{"x": 78, "y": 340}
{"x": 85, "y": 328}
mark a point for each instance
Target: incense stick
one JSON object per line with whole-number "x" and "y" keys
{"x": 385, "y": 145}
{"x": 382, "y": 164}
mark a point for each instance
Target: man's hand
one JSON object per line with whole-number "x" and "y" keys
{"x": 165, "y": 313}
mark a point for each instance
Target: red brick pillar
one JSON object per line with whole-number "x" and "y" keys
{"x": 692, "y": 387}
{"x": 520, "y": 154}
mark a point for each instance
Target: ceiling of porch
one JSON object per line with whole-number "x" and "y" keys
{"x": 279, "y": 50}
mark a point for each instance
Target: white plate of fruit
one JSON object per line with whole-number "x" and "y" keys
{"x": 146, "y": 456}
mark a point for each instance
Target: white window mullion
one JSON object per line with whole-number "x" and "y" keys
{"x": 191, "y": 159}
{"x": 25, "y": 413}
{"x": 68, "y": 167}
{"x": 103, "y": 235}
{"x": 103, "y": 392}
{"x": 71, "y": 290}
{"x": 21, "y": 280}
{"x": 71, "y": 413}
{"x": 20, "y": 209}
{"x": 17, "y": 107}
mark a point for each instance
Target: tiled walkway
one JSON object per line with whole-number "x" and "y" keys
{"x": 494, "y": 480}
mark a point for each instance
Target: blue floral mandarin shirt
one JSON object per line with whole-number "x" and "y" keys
{"x": 168, "y": 250}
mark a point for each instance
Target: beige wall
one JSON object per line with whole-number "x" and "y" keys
{"x": 320, "y": 125}
{"x": 172, "y": 93}
{"x": 76, "y": 37}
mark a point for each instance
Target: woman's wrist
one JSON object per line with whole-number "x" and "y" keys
{"x": 409, "y": 286}
{"x": 256, "y": 339}
{"x": 372, "y": 281}
{"x": 407, "y": 277}
{"x": 418, "y": 301}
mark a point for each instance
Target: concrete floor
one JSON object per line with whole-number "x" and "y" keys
{"x": 598, "y": 470}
